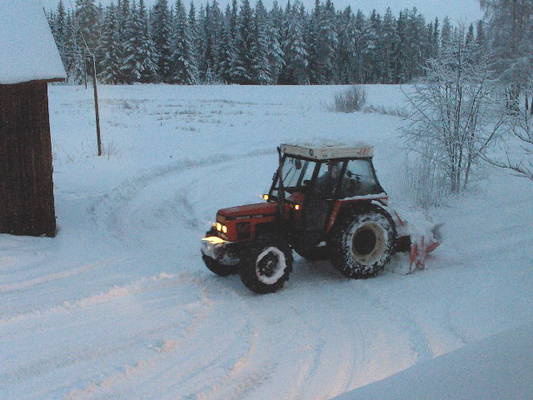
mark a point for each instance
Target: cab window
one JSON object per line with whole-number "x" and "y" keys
{"x": 359, "y": 180}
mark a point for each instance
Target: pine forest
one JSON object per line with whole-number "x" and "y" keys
{"x": 244, "y": 43}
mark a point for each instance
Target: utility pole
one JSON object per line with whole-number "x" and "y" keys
{"x": 96, "y": 109}
{"x": 95, "y": 91}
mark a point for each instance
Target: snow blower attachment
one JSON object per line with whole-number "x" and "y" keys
{"x": 325, "y": 202}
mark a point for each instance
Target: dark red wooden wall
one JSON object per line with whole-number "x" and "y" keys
{"x": 26, "y": 187}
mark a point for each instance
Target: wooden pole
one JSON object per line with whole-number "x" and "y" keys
{"x": 96, "y": 110}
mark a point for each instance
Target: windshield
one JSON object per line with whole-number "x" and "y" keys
{"x": 297, "y": 175}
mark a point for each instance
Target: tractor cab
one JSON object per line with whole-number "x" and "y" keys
{"x": 318, "y": 173}
{"x": 310, "y": 182}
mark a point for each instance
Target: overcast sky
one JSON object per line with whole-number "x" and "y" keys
{"x": 457, "y": 10}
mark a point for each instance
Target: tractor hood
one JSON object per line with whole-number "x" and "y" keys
{"x": 249, "y": 210}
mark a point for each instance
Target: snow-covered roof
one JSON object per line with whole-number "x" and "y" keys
{"x": 27, "y": 48}
{"x": 326, "y": 152}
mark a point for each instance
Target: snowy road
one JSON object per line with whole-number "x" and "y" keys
{"x": 119, "y": 305}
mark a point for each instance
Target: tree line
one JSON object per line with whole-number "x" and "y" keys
{"x": 243, "y": 44}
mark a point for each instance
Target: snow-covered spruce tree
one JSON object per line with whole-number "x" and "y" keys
{"x": 110, "y": 63}
{"x": 87, "y": 22}
{"x": 311, "y": 39}
{"x": 344, "y": 50}
{"x": 193, "y": 31}
{"x": 184, "y": 64}
{"x": 129, "y": 40}
{"x": 418, "y": 43}
{"x": 216, "y": 24}
{"x": 161, "y": 35}
{"x": 261, "y": 66}
{"x": 74, "y": 52}
{"x": 209, "y": 33}
{"x": 145, "y": 58}
{"x": 372, "y": 59}
{"x": 243, "y": 70}
{"x": 446, "y": 33}
{"x": 275, "y": 51}
{"x": 327, "y": 44}
{"x": 359, "y": 28}
{"x": 58, "y": 23}
{"x": 401, "y": 51}
{"x": 388, "y": 44}
{"x": 227, "y": 50}
{"x": 435, "y": 40}
{"x": 295, "y": 63}
{"x": 509, "y": 31}
{"x": 233, "y": 19}
{"x": 87, "y": 19}
{"x": 455, "y": 114}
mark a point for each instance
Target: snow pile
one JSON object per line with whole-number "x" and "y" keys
{"x": 497, "y": 368}
{"x": 27, "y": 48}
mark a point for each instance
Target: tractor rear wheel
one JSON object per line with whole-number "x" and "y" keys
{"x": 363, "y": 243}
{"x": 265, "y": 266}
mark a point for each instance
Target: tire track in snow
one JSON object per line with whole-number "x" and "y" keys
{"x": 418, "y": 341}
{"x": 183, "y": 361}
{"x": 230, "y": 370}
{"x": 107, "y": 207}
{"x": 30, "y": 283}
{"x": 114, "y": 293}
{"x": 167, "y": 349}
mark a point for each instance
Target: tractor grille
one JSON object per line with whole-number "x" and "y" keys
{"x": 243, "y": 230}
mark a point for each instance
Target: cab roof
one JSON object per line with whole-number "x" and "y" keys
{"x": 328, "y": 152}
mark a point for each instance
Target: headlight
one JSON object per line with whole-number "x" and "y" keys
{"x": 265, "y": 197}
{"x": 221, "y": 228}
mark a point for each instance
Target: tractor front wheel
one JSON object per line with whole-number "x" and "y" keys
{"x": 363, "y": 243}
{"x": 266, "y": 266}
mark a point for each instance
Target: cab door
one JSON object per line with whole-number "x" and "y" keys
{"x": 320, "y": 199}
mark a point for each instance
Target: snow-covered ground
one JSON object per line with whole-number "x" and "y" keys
{"x": 120, "y": 306}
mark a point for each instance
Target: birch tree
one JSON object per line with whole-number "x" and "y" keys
{"x": 456, "y": 114}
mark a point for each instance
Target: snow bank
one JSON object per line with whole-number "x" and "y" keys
{"x": 27, "y": 49}
{"x": 500, "y": 367}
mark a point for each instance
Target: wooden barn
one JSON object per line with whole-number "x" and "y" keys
{"x": 29, "y": 60}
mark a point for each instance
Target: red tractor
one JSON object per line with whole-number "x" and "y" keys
{"x": 324, "y": 202}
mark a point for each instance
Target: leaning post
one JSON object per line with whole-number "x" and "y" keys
{"x": 96, "y": 109}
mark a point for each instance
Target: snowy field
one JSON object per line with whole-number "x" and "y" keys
{"x": 120, "y": 306}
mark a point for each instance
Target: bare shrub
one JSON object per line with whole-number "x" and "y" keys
{"x": 350, "y": 100}
{"x": 110, "y": 150}
{"x": 426, "y": 183}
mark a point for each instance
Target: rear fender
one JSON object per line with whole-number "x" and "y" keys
{"x": 344, "y": 206}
